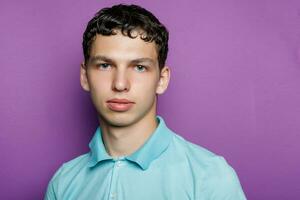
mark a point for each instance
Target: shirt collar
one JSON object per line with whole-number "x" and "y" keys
{"x": 149, "y": 151}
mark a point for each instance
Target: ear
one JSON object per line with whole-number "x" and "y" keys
{"x": 164, "y": 80}
{"x": 84, "y": 78}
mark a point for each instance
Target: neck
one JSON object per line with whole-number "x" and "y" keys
{"x": 123, "y": 141}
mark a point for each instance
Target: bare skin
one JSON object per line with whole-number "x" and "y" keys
{"x": 116, "y": 70}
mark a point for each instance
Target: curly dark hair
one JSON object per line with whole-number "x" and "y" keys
{"x": 127, "y": 18}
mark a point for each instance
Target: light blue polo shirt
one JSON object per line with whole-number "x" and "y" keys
{"x": 166, "y": 167}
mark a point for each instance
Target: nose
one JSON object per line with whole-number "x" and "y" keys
{"x": 120, "y": 81}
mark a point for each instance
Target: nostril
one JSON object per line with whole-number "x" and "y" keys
{"x": 120, "y": 86}
{"x": 120, "y": 82}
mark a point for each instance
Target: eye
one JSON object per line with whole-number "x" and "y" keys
{"x": 103, "y": 66}
{"x": 140, "y": 68}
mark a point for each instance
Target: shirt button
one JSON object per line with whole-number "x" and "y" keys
{"x": 118, "y": 163}
{"x": 113, "y": 195}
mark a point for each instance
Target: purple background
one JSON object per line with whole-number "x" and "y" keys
{"x": 234, "y": 89}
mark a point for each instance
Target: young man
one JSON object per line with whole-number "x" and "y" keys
{"x": 133, "y": 154}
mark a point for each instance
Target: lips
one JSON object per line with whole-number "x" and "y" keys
{"x": 119, "y": 105}
{"x": 119, "y": 101}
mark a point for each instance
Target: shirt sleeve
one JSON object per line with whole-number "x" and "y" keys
{"x": 223, "y": 183}
{"x": 52, "y": 189}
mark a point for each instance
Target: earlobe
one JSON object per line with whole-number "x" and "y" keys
{"x": 163, "y": 80}
{"x": 83, "y": 77}
{"x": 160, "y": 87}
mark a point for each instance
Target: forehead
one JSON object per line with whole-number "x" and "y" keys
{"x": 121, "y": 47}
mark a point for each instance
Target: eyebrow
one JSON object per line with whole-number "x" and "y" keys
{"x": 107, "y": 59}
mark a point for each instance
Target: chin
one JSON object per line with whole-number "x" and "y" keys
{"x": 118, "y": 119}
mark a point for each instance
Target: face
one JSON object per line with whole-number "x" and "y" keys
{"x": 122, "y": 68}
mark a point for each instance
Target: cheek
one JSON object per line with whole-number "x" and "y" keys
{"x": 145, "y": 85}
{"x": 100, "y": 87}
{"x": 99, "y": 82}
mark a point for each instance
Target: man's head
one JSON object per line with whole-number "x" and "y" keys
{"x": 125, "y": 49}
{"x": 127, "y": 18}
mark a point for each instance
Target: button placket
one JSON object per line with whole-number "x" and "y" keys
{"x": 113, "y": 189}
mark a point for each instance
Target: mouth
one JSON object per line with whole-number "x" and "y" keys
{"x": 119, "y": 105}
{"x": 120, "y": 101}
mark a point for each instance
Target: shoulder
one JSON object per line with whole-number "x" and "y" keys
{"x": 213, "y": 175}
{"x": 75, "y": 163}
{"x": 200, "y": 157}
{"x": 65, "y": 172}
{"x": 72, "y": 166}
{"x": 196, "y": 154}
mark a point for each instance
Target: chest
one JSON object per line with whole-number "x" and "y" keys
{"x": 123, "y": 180}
